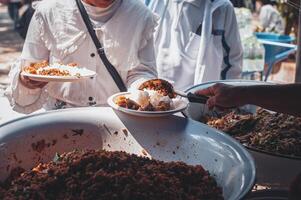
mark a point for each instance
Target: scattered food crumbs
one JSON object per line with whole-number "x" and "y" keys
{"x": 144, "y": 152}
{"x": 39, "y": 146}
{"x": 116, "y": 133}
{"x": 54, "y": 142}
{"x": 15, "y": 157}
{"x": 125, "y": 132}
{"x": 79, "y": 132}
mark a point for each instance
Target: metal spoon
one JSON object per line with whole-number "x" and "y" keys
{"x": 167, "y": 89}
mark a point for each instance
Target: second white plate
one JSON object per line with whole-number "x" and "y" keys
{"x": 179, "y": 103}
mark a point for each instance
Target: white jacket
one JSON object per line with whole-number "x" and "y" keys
{"x": 271, "y": 20}
{"x": 57, "y": 33}
{"x": 187, "y": 58}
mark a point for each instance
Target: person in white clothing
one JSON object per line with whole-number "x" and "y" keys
{"x": 196, "y": 41}
{"x": 57, "y": 33}
{"x": 269, "y": 17}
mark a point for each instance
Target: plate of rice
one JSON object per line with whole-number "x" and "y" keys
{"x": 57, "y": 72}
{"x": 146, "y": 103}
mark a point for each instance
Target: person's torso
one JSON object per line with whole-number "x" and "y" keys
{"x": 272, "y": 18}
{"x": 66, "y": 37}
{"x": 178, "y": 40}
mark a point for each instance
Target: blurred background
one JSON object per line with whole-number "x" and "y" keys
{"x": 269, "y": 53}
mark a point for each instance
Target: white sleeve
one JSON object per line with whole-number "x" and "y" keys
{"x": 264, "y": 17}
{"x": 233, "y": 52}
{"x": 146, "y": 69}
{"x": 21, "y": 98}
{"x": 35, "y": 47}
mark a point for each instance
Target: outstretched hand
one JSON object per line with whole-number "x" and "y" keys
{"x": 222, "y": 96}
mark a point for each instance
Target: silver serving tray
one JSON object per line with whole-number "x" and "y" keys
{"x": 272, "y": 169}
{"x": 169, "y": 139}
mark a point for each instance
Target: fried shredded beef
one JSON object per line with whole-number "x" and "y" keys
{"x": 106, "y": 175}
{"x": 272, "y": 132}
{"x": 162, "y": 86}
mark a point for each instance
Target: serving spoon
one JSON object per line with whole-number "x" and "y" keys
{"x": 166, "y": 88}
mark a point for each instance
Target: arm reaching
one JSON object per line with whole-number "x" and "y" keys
{"x": 279, "y": 98}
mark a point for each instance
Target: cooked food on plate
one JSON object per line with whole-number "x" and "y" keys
{"x": 161, "y": 86}
{"x": 98, "y": 174}
{"x": 58, "y": 69}
{"x": 147, "y": 100}
{"x": 271, "y": 132}
{"x": 153, "y": 95}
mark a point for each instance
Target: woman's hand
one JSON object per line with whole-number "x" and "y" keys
{"x": 223, "y": 96}
{"x": 31, "y": 84}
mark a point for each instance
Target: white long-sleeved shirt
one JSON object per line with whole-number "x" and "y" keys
{"x": 57, "y": 33}
{"x": 196, "y": 41}
{"x": 271, "y": 20}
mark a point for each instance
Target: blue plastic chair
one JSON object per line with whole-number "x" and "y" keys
{"x": 277, "y": 48}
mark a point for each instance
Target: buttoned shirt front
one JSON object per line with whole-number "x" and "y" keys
{"x": 57, "y": 33}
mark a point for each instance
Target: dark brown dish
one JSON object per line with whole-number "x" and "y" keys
{"x": 106, "y": 175}
{"x": 160, "y": 85}
{"x": 271, "y": 132}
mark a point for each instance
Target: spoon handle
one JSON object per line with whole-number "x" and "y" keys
{"x": 197, "y": 98}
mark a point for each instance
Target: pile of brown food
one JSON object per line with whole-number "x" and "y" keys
{"x": 40, "y": 69}
{"x": 272, "y": 132}
{"x": 34, "y": 67}
{"x": 128, "y": 103}
{"x": 105, "y": 175}
{"x": 160, "y": 85}
{"x": 54, "y": 72}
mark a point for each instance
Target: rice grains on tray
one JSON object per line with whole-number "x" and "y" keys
{"x": 106, "y": 175}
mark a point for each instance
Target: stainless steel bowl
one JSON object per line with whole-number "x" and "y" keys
{"x": 169, "y": 139}
{"x": 272, "y": 169}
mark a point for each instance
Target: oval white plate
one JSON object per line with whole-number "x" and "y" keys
{"x": 179, "y": 103}
{"x": 84, "y": 74}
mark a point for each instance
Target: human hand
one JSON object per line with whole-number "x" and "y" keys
{"x": 31, "y": 84}
{"x": 222, "y": 96}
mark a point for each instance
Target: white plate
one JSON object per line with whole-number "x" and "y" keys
{"x": 84, "y": 74}
{"x": 179, "y": 103}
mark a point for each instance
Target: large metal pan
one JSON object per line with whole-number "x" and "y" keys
{"x": 27, "y": 141}
{"x": 272, "y": 170}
